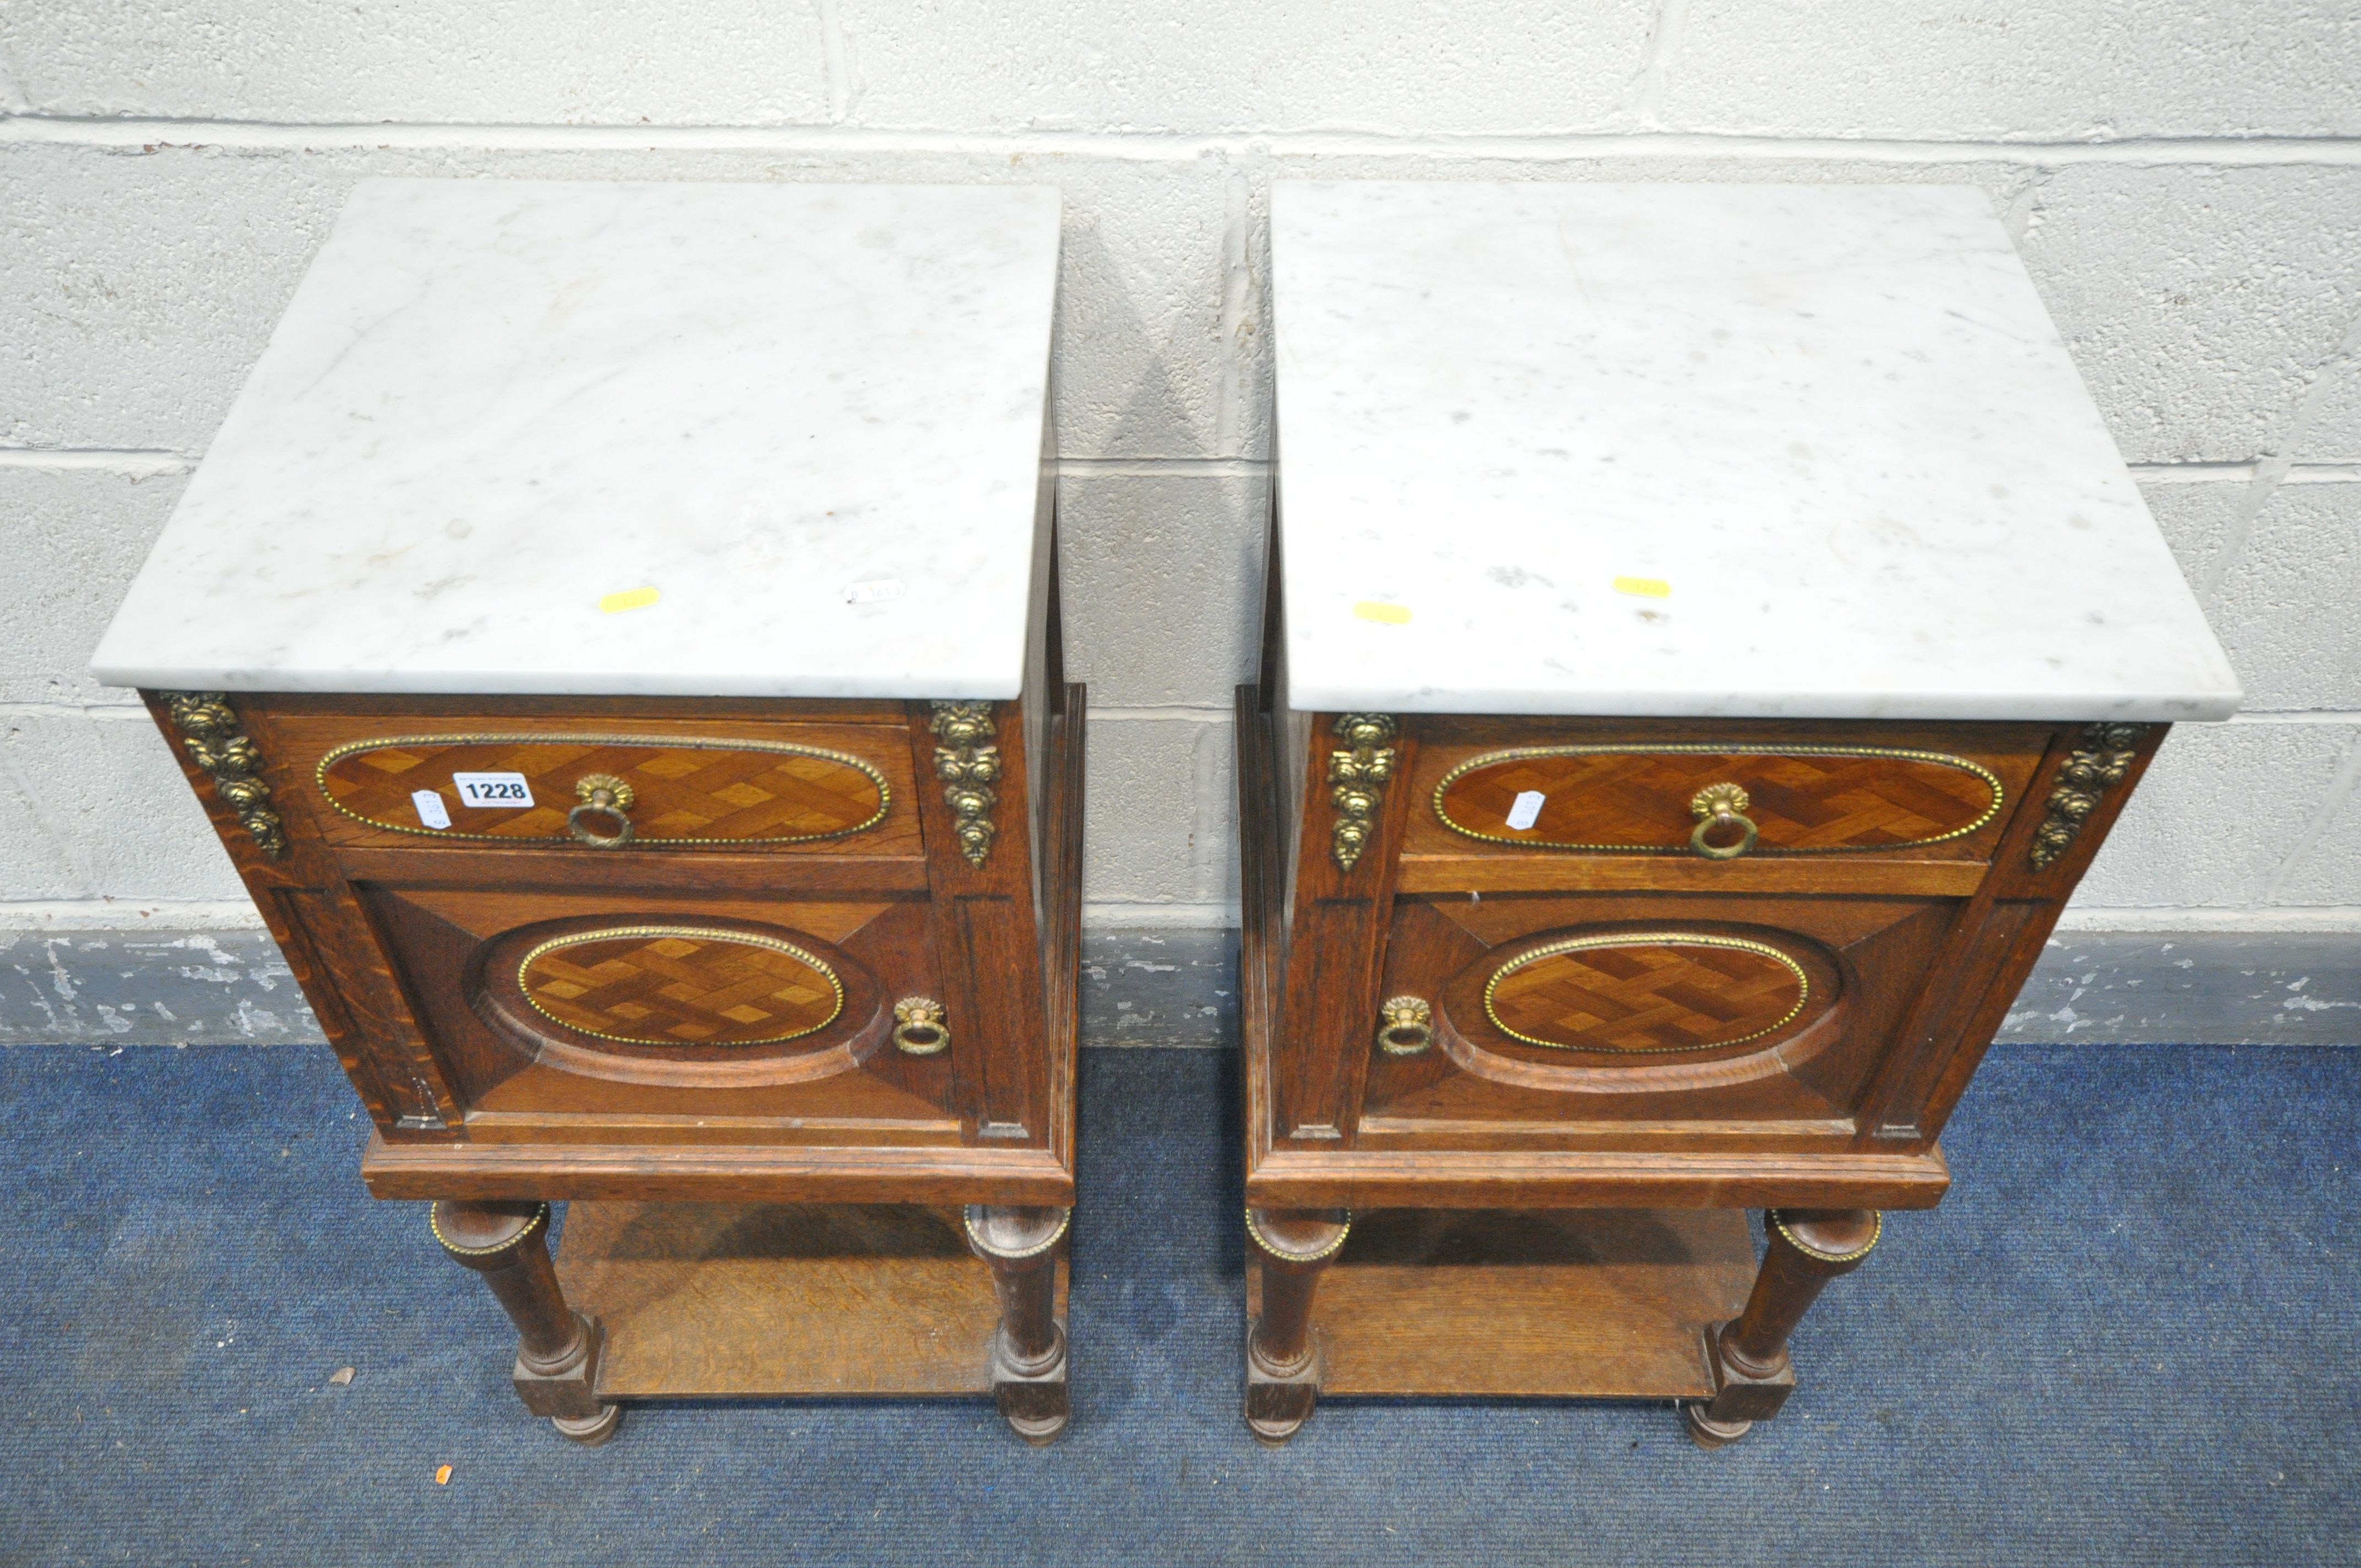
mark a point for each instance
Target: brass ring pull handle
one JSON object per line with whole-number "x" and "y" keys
{"x": 601, "y": 795}
{"x": 1720, "y": 805}
{"x": 1408, "y": 1028}
{"x": 918, "y": 1026}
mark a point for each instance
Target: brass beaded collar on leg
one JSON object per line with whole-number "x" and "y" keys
{"x": 967, "y": 1222}
{"x": 1778, "y": 1221}
{"x": 532, "y": 1228}
{"x": 1255, "y": 1233}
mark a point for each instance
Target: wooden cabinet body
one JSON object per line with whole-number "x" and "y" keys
{"x": 707, "y": 1009}
{"x": 1619, "y": 1007}
{"x": 787, "y": 998}
{"x": 1525, "y": 964}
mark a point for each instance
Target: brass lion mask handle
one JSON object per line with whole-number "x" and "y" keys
{"x": 1716, "y": 806}
{"x": 1407, "y": 1025}
{"x": 601, "y": 795}
{"x": 919, "y": 1029}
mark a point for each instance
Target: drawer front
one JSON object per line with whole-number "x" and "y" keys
{"x": 811, "y": 788}
{"x": 1740, "y": 807}
{"x": 1719, "y": 801}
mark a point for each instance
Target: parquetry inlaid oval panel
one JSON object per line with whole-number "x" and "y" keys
{"x": 1804, "y": 799}
{"x": 686, "y": 790}
{"x": 680, "y": 985}
{"x": 1647, "y": 992}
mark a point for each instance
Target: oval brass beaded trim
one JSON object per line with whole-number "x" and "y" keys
{"x": 1937, "y": 759}
{"x": 1643, "y": 940}
{"x": 686, "y": 934}
{"x": 967, "y": 1222}
{"x": 1778, "y": 1221}
{"x": 1277, "y": 1251}
{"x": 532, "y": 1226}
{"x": 666, "y": 742}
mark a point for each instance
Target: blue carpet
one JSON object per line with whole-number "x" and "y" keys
{"x": 2131, "y": 1335}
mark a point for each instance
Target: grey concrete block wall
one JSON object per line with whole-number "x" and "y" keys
{"x": 74, "y": 537}
{"x": 94, "y": 813}
{"x": 2332, "y": 434}
{"x": 2199, "y": 302}
{"x": 2184, "y": 181}
{"x": 497, "y": 61}
{"x": 2078, "y": 71}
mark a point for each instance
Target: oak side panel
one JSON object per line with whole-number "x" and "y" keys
{"x": 1992, "y": 948}
{"x": 1335, "y": 949}
{"x": 326, "y": 941}
{"x": 1061, "y": 925}
{"x": 1261, "y": 982}
{"x": 986, "y": 941}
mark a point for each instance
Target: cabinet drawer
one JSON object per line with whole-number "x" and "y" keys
{"x": 1757, "y": 808}
{"x": 1665, "y": 799}
{"x": 604, "y": 783}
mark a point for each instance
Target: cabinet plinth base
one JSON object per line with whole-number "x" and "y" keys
{"x": 590, "y": 1431}
{"x": 760, "y": 1301}
{"x": 1569, "y": 1304}
{"x": 1033, "y": 1400}
{"x": 1710, "y": 1434}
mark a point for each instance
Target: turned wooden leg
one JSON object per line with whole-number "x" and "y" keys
{"x": 1805, "y": 1249}
{"x": 1292, "y": 1248}
{"x": 1028, "y": 1353}
{"x": 557, "y": 1348}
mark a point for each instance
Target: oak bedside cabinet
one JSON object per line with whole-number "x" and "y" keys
{"x": 615, "y": 637}
{"x": 1708, "y": 634}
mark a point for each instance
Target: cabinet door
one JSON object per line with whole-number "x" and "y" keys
{"x": 651, "y": 1016}
{"x": 1639, "y": 1020}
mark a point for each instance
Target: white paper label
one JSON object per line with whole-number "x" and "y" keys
{"x": 431, "y": 809}
{"x": 873, "y": 591}
{"x": 505, "y": 790}
{"x": 1527, "y": 811}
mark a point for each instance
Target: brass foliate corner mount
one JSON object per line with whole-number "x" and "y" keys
{"x": 2102, "y": 759}
{"x": 969, "y": 767}
{"x": 1357, "y": 780}
{"x": 209, "y": 733}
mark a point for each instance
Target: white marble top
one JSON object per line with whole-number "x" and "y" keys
{"x": 1702, "y": 450}
{"x": 809, "y": 418}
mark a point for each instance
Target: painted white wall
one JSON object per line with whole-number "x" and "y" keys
{"x": 2184, "y": 181}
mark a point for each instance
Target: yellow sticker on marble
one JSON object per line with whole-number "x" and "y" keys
{"x": 629, "y": 598}
{"x": 1383, "y": 614}
{"x": 1644, "y": 587}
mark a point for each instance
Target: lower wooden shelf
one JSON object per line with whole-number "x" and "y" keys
{"x": 1492, "y": 1303}
{"x": 703, "y": 1301}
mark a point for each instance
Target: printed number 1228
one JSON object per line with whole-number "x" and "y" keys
{"x": 492, "y": 789}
